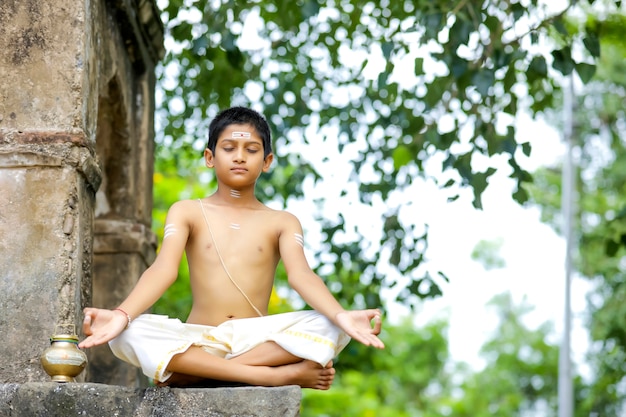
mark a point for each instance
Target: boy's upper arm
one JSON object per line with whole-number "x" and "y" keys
{"x": 175, "y": 235}
{"x": 291, "y": 245}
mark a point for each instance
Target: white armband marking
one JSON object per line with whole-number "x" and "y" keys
{"x": 299, "y": 239}
{"x": 169, "y": 230}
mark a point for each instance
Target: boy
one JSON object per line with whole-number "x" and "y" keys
{"x": 233, "y": 244}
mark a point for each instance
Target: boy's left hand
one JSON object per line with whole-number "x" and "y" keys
{"x": 358, "y": 325}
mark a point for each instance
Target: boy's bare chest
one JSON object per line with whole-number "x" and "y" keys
{"x": 230, "y": 235}
{"x": 235, "y": 242}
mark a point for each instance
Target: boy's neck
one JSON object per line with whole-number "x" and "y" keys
{"x": 235, "y": 197}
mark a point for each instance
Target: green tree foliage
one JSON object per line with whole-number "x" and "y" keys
{"x": 487, "y": 252}
{"x": 520, "y": 377}
{"x": 417, "y": 378}
{"x": 391, "y": 85}
{"x": 407, "y": 377}
{"x": 600, "y": 130}
{"x": 521, "y": 365}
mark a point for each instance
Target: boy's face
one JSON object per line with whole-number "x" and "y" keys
{"x": 238, "y": 156}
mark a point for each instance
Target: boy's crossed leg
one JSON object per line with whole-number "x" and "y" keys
{"x": 266, "y": 365}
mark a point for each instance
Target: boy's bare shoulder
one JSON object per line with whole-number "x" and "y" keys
{"x": 184, "y": 205}
{"x": 284, "y": 218}
{"x": 183, "y": 209}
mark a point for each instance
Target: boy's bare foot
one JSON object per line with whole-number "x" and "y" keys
{"x": 308, "y": 374}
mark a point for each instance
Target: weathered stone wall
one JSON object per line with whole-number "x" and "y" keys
{"x": 48, "y": 178}
{"x": 76, "y": 142}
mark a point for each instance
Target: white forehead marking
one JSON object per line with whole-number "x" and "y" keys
{"x": 169, "y": 230}
{"x": 299, "y": 239}
{"x": 235, "y": 193}
{"x": 235, "y": 226}
{"x": 240, "y": 135}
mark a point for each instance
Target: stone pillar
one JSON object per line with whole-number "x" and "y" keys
{"x": 124, "y": 245}
{"x": 76, "y": 111}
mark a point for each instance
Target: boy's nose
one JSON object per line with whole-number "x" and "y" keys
{"x": 239, "y": 155}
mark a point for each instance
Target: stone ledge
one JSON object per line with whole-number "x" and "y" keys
{"x": 51, "y": 399}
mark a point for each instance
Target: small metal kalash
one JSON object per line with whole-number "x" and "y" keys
{"x": 63, "y": 360}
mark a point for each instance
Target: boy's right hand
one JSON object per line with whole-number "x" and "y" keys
{"x": 101, "y": 325}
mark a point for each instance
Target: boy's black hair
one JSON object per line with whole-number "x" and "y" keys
{"x": 240, "y": 116}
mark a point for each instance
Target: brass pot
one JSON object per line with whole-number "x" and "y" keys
{"x": 63, "y": 360}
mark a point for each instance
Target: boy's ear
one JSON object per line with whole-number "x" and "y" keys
{"x": 268, "y": 162}
{"x": 208, "y": 158}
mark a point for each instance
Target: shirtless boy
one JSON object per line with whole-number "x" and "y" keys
{"x": 233, "y": 244}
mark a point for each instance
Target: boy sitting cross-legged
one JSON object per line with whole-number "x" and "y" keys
{"x": 233, "y": 244}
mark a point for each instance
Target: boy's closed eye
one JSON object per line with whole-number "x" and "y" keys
{"x": 231, "y": 148}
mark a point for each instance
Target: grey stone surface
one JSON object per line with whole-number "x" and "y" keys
{"x": 49, "y": 399}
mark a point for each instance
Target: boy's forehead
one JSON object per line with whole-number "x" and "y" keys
{"x": 239, "y": 131}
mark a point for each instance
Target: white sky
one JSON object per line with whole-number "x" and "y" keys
{"x": 533, "y": 252}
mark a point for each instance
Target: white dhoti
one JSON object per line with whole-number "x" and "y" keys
{"x": 152, "y": 340}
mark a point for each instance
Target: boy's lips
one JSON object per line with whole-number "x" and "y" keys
{"x": 239, "y": 169}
